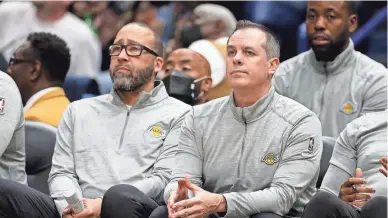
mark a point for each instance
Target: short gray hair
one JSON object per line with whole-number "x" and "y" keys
{"x": 272, "y": 46}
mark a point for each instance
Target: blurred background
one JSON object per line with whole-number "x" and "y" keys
{"x": 175, "y": 21}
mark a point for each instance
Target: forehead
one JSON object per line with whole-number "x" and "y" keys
{"x": 248, "y": 37}
{"x": 23, "y": 49}
{"x": 182, "y": 55}
{"x": 337, "y": 6}
{"x": 134, "y": 33}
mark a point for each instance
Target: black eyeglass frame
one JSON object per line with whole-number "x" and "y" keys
{"x": 142, "y": 47}
{"x": 14, "y": 61}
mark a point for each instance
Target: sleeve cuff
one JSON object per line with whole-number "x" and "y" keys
{"x": 61, "y": 206}
{"x": 230, "y": 207}
{"x": 168, "y": 190}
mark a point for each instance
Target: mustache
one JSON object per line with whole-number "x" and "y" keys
{"x": 318, "y": 33}
{"x": 123, "y": 65}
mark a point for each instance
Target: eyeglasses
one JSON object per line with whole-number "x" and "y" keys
{"x": 132, "y": 50}
{"x": 14, "y": 61}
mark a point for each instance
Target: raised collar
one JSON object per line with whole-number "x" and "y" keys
{"x": 255, "y": 111}
{"x": 156, "y": 95}
{"x": 37, "y": 96}
{"x": 341, "y": 62}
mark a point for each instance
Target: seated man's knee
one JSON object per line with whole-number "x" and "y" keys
{"x": 322, "y": 198}
{"x": 9, "y": 187}
{"x": 322, "y": 202}
{"x": 266, "y": 215}
{"x": 118, "y": 201}
{"x": 121, "y": 192}
{"x": 375, "y": 207}
{"x": 160, "y": 212}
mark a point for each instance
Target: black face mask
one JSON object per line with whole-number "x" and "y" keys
{"x": 190, "y": 35}
{"x": 183, "y": 87}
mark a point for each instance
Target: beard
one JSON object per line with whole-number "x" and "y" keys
{"x": 132, "y": 81}
{"x": 331, "y": 50}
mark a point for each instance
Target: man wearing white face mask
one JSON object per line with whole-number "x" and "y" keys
{"x": 187, "y": 76}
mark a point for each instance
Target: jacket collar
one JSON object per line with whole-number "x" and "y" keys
{"x": 146, "y": 98}
{"x": 42, "y": 95}
{"x": 341, "y": 62}
{"x": 252, "y": 113}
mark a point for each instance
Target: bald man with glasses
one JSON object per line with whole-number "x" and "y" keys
{"x": 114, "y": 151}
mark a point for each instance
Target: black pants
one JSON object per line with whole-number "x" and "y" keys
{"x": 20, "y": 201}
{"x": 17, "y": 200}
{"x": 162, "y": 212}
{"x": 326, "y": 205}
{"x": 123, "y": 201}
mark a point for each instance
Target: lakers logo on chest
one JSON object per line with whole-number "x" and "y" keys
{"x": 270, "y": 158}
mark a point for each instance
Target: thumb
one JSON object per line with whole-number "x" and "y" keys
{"x": 191, "y": 186}
{"x": 358, "y": 173}
{"x": 181, "y": 183}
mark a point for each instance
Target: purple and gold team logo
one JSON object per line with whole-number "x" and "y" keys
{"x": 270, "y": 158}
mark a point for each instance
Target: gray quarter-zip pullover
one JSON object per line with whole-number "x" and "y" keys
{"x": 101, "y": 143}
{"x": 263, "y": 158}
{"x": 338, "y": 91}
{"x": 12, "y": 137}
{"x": 361, "y": 145}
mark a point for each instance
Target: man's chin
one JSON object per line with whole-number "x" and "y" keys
{"x": 321, "y": 47}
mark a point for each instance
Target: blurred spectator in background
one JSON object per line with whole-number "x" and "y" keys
{"x": 18, "y": 19}
{"x": 332, "y": 79}
{"x": 183, "y": 18}
{"x": 187, "y": 76}
{"x": 39, "y": 67}
{"x": 87, "y": 10}
{"x": 355, "y": 184}
{"x": 146, "y": 12}
{"x": 213, "y": 24}
{"x": 12, "y": 144}
{"x": 106, "y": 22}
{"x": 283, "y": 18}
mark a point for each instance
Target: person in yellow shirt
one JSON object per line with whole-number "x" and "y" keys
{"x": 39, "y": 67}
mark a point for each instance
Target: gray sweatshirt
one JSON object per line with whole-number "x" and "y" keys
{"x": 101, "y": 142}
{"x": 338, "y": 91}
{"x": 263, "y": 158}
{"x": 362, "y": 144}
{"x": 12, "y": 137}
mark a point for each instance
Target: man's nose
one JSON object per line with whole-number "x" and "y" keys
{"x": 320, "y": 24}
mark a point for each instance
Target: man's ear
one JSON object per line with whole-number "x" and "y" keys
{"x": 206, "y": 84}
{"x": 158, "y": 64}
{"x": 353, "y": 23}
{"x": 36, "y": 71}
{"x": 273, "y": 66}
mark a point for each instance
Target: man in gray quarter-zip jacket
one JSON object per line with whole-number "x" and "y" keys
{"x": 252, "y": 154}
{"x": 353, "y": 187}
{"x": 120, "y": 146}
{"x": 12, "y": 148}
{"x": 333, "y": 80}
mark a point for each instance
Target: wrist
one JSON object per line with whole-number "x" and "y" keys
{"x": 222, "y": 204}
{"x": 99, "y": 202}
